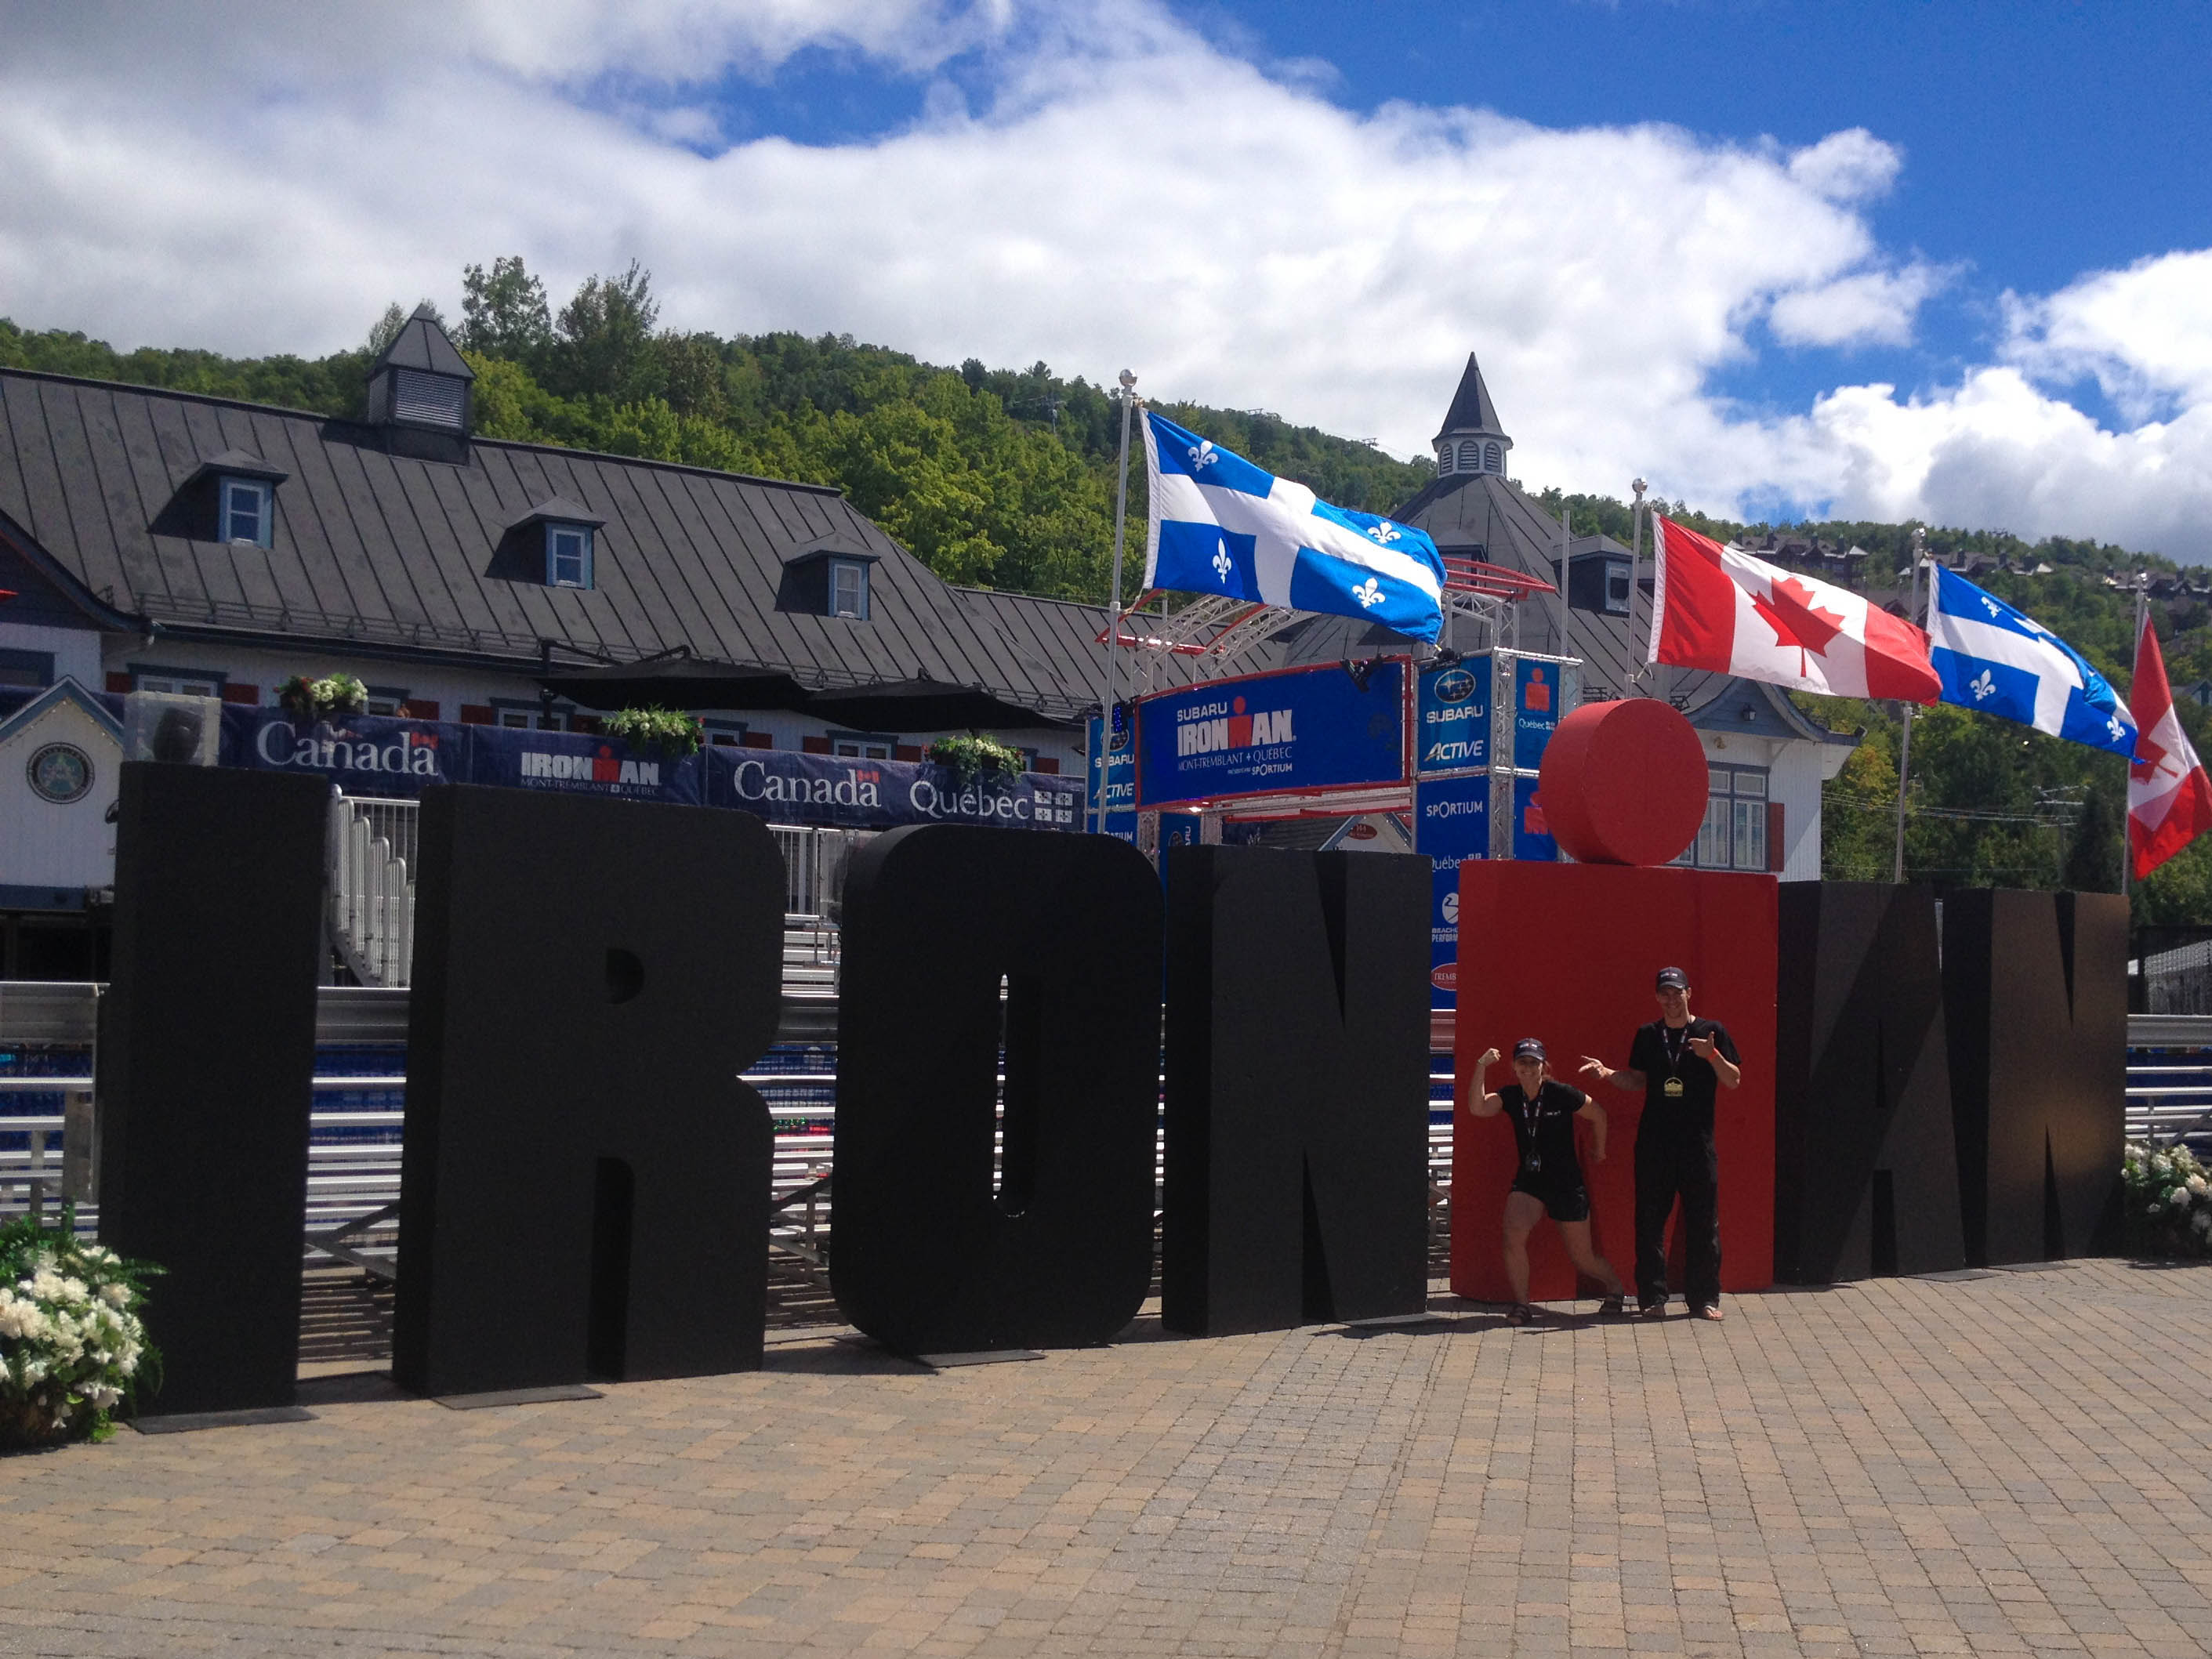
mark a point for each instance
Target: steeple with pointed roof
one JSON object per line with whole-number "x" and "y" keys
{"x": 1472, "y": 439}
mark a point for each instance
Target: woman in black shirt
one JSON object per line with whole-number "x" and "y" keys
{"x": 1548, "y": 1180}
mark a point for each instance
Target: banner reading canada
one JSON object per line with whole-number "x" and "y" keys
{"x": 369, "y": 755}
{"x": 1297, "y": 729}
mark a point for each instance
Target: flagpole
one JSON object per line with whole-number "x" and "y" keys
{"x": 1114, "y": 600}
{"x": 2127, "y": 817}
{"x": 1905, "y": 744}
{"x": 1636, "y": 517}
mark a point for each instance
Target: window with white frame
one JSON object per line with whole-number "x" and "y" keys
{"x": 567, "y": 556}
{"x": 849, "y": 589}
{"x": 1493, "y": 459}
{"x": 862, "y": 746}
{"x": 1734, "y": 834}
{"x": 1470, "y": 456}
{"x": 177, "y": 684}
{"x": 384, "y": 700}
{"x": 516, "y": 718}
{"x": 1616, "y": 590}
{"x": 245, "y": 511}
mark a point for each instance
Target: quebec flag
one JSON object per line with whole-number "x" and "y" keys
{"x": 1991, "y": 657}
{"x": 1220, "y": 525}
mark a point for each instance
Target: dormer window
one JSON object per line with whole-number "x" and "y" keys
{"x": 245, "y": 511}
{"x": 554, "y": 542}
{"x": 849, "y": 589}
{"x": 828, "y": 577}
{"x": 567, "y": 556}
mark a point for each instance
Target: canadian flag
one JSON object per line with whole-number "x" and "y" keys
{"x": 1715, "y": 607}
{"x": 2169, "y": 797}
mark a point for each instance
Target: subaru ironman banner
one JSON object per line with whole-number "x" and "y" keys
{"x": 1537, "y": 695}
{"x": 1451, "y": 824}
{"x": 1293, "y": 730}
{"x": 1451, "y": 729}
{"x": 1119, "y": 768}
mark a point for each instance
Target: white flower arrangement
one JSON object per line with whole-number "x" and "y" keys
{"x": 2168, "y": 1201}
{"x": 72, "y": 1346}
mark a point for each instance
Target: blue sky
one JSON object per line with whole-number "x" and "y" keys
{"x": 1943, "y": 260}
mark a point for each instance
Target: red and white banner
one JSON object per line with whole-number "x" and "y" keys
{"x": 1714, "y": 607}
{"x": 2169, "y": 797}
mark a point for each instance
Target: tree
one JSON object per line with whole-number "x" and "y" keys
{"x": 2093, "y": 861}
{"x": 503, "y": 312}
{"x": 691, "y": 374}
{"x": 603, "y": 339}
{"x": 387, "y": 327}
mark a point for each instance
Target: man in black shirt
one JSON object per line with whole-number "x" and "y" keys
{"x": 1548, "y": 1178}
{"x": 1681, "y": 1064}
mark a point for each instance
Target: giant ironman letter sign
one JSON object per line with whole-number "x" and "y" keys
{"x": 932, "y": 1254}
{"x": 586, "y": 1180}
{"x": 2035, "y": 1000}
{"x": 207, "y": 1067}
{"x": 1865, "y": 1173}
{"x": 1297, "y": 1088}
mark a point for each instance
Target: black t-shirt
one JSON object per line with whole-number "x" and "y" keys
{"x": 1544, "y": 1131}
{"x": 1663, "y": 1052}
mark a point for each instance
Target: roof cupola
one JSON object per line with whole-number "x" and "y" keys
{"x": 1472, "y": 440}
{"x": 420, "y": 381}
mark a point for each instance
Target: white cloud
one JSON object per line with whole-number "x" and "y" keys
{"x": 2145, "y": 333}
{"x": 1127, "y": 194}
{"x": 1868, "y": 308}
{"x": 1853, "y": 166}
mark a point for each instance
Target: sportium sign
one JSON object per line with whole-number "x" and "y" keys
{"x": 1298, "y": 729}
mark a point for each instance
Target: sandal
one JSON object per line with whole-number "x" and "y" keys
{"x": 1612, "y": 1307}
{"x": 1651, "y": 1310}
{"x": 1520, "y": 1314}
{"x": 1710, "y": 1311}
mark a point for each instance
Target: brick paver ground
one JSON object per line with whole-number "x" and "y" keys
{"x": 2015, "y": 1464}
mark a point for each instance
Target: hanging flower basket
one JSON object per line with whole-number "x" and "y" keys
{"x": 331, "y": 698}
{"x": 669, "y": 731}
{"x": 970, "y": 757}
{"x": 72, "y": 1346}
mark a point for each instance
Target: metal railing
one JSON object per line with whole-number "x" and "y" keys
{"x": 371, "y": 885}
{"x": 371, "y": 890}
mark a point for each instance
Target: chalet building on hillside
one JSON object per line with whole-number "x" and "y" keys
{"x": 155, "y": 540}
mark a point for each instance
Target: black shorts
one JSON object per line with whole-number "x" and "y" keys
{"x": 1563, "y": 1200}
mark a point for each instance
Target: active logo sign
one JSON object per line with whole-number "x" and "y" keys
{"x": 1454, "y": 704}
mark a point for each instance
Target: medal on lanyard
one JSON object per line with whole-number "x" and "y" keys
{"x": 1533, "y": 1160}
{"x": 1675, "y": 1088}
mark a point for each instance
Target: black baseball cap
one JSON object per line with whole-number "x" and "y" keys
{"x": 1528, "y": 1048}
{"x": 1673, "y": 979}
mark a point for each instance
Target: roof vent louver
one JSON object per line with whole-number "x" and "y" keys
{"x": 420, "y": 381}
{"x": 429, "y": 399}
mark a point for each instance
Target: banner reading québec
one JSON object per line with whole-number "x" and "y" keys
{"x": 1292, "y": 729}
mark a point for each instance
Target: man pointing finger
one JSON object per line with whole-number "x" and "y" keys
{"x": 1682, "y": 1063}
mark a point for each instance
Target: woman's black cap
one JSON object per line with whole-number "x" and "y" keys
{"x": 1528, "y": 1048}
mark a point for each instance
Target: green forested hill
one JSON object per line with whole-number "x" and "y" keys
{"x": 1004, "y": 478}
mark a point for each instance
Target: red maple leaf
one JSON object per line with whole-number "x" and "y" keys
{"x": 2148, "y": 757}
{"x": 1793, "y": 612}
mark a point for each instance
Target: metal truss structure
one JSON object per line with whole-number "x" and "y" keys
{"x": 1225, "y": 631}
